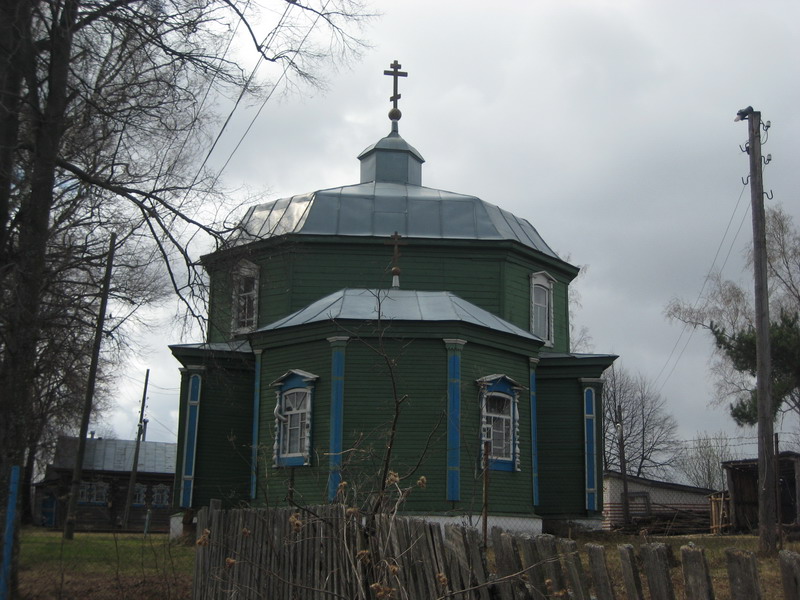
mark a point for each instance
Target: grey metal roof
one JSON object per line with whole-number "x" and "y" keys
{"x": 232, "y": 346}
{"x": 116, "y": 455}
{"x": 397, "y": 305}
{"x": 379, "y": 208}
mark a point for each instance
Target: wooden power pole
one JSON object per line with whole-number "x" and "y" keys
{"x": 135, "y": 466}
{"x": 767, "y": 510}
{"x": 77, "y": 472}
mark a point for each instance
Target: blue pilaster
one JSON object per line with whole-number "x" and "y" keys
{"x": 190, "y": 439}
{"x": 534, "y": 432}
{"x": 454, "y": 348}
{"x": 590, "y": 440}
{"x": 338, "y": 345}
{"x": 256, "y": 424}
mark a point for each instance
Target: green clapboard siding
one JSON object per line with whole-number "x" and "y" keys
{"x": 418, "y": 380}
{"x": 225, "y": 422}
{"x": 306, "y": 485}
{"x": 296, "y": 273}
{"x": 561, "y": 447}
{"x": 509, "y": 492}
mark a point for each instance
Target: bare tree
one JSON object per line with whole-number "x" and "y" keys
{"x": 701, "y": 462}
{"x": 632, "y": 408}
{"x": 101, "y": 122}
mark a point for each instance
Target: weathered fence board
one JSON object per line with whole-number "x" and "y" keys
{"x": 568, "y": 549}
{"x": 743, "y": 575}
{"x": 696, "y": 577}
{"x": 534, "y": 567}
{"x": 630, "y": 572}
{"x": 546, "y": 544}
{"x": 790, "y": 573}
{"x": 655, "y": 560}
{"x": 329, "y": 552}
{"x": 598, "y": 568}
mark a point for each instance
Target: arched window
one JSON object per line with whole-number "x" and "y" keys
{"x": 542, "y": 306}
{"x": 244, "y": 306}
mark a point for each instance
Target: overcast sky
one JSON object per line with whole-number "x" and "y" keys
{"x": 607, "y": 124}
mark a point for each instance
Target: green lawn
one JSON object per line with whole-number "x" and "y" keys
{"x": 103, "y": 565}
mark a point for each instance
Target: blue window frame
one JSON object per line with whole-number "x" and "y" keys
{"x": 499, "y": 405}
{"x": 294, "y": 394}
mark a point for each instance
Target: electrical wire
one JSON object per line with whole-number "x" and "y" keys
{"x": 699, "y": 297}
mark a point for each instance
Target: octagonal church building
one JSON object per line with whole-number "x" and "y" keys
{"x": 385, "y": 334}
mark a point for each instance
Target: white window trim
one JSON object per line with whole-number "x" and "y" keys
{"x": 484, "y": 383}
{"x": 544, "y": 279}
{"x": 93, "y": 492}
{"x": 140, "y": 494}
{"x": 284, "y": 416}
{"x": 244, "y": 268}
{"x": 161, "y": 495}
{"x": 489, "y": 417}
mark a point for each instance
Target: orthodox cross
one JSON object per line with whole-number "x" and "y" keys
{"x": 395, "y": 73}
{"x": 395, "y": 241}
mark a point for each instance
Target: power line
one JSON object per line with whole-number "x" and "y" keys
{"x": 700, "y": 294}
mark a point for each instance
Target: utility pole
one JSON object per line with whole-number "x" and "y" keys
{"x": 135, "y": 465}
{"x": 77, "y": 472}
{"x": 767, "y": 512}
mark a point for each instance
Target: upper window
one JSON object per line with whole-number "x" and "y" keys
{"x": 245, "y": 297}
{"x": 499, "y": 402}
{"x": 542, "y": 306}
{"x": 294, "y": 392}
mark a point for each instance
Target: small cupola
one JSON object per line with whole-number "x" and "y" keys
{"x": 392, "y": 159}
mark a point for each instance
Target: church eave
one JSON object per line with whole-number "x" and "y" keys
{"x": 563, "y": 364}
{"x": 407, "y": 330}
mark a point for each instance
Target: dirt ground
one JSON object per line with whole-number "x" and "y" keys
{"x": 67, "y": 586}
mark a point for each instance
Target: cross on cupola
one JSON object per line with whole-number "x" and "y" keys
{"x": 395, "y": 73}
{"x": 396, "y": 237}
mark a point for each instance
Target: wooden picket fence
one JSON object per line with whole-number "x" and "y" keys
{"x": 331, "y": 552}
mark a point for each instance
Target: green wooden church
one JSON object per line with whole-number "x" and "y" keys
{"x": 389, "y": 335}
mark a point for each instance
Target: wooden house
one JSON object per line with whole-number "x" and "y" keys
{"x": 104, "y": 486}
{"x": 661, "y": 506}
{"x": 330, "y": 309}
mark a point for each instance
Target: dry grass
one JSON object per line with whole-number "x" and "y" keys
{"x": 118, "y": 567}
{"x": 101, "y": 566}
{"x": 714, "y": 547}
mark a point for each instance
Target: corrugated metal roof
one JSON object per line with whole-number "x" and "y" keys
{"x": 379, "y": 208}
{"x": 116, "y": 455}
{"x": 397, "y": 305}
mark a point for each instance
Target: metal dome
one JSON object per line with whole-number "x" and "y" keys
{"x": 389, "y": 198}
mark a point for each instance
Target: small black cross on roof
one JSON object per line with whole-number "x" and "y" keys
{"x": 395, "y": 73}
